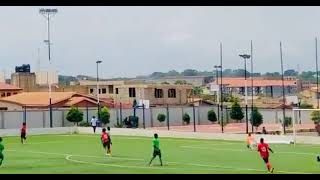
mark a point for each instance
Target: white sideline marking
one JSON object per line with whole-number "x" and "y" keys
{"x": 214, "y": 167}
{"x": 49, "y": 142}
{"x": 239, "y": 150}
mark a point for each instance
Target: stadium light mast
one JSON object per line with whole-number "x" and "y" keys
{"x": 217, "y": 83}
{"x": 48, "y": 13}
{"x": 251, "y": 58}
{"x": 245, "y": 57}
{"x": 283, "y": 92}
{"x": 98, "y": 90}
{"x": 221, "y": 93}
{"x": 317, "y": 72}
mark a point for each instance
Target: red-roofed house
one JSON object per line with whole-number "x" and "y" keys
{"x": 8, "y": 90}
{"x": 40, "y": 100}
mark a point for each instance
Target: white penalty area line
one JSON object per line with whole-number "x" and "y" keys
{"x": 239, "y": 150}
{"x": 212, "y": 167}
{"x": 44, "y": 142}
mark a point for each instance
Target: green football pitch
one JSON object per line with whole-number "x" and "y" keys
{"x": 84, "y": 154}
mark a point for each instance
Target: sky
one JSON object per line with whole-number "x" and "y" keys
{"x": 135, "y": 41}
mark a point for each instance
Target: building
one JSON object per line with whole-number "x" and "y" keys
{"x": 40, "y": 100}
{"x": 2, "y": 77}
{"x": 24, "y": 80}
{"x": 261, "y": 86}
{"x": 193, "y": 80}
{"x": 8, "y": 90}
{"x": 44, "y": 77}
{"x": 156, "y": 94}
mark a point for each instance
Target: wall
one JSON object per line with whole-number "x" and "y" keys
{"x": 40, "y": 118}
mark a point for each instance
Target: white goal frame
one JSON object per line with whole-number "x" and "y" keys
{"x": 294, "y": 118}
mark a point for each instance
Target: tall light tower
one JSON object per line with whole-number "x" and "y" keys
{"x": 48, "y": 13}
{"x": 245, "y": 57}
{"x": 98, "y": 90}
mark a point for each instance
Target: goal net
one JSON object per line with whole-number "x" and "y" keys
{"x": 297, "y": 116}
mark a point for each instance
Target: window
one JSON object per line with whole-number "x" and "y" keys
{"x": 15, "y": 93}
{"x": 158, "y": 93}
{"x": 99, "y": 91}
{"x": 91, "y": 91}
{"x": 3, "y": 94}
{"x": 110, "y": 89}
{"x": 104, "y": 90}
{"x": 117, "y": 91}
{"x": 172, "y": 93}
{"x": 132, "y": 92}
{"x": 8, "y": 94}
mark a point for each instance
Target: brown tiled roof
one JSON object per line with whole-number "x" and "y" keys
{"x": 257, "y": 82}
{"x": 37, "y": 98}
{"x": 75, "y": 100}
{"x": 4, "y": 86}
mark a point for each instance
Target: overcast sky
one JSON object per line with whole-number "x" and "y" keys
{"x": 140, "y": 40}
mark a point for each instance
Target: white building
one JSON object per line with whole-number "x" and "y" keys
{"x": 44, "y": 77}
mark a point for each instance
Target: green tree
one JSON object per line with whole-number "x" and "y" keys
{"x": 315, "y": 117}
{"x": 105, "y": 115}
{"x": 287, "y": 121}
{"x": 212, "y": 116}
{"x": 180, "y": 82}
{"x": 256, "y": 118}
{"x": 197, "y": 90}
{"x": 190, "y": 72}
{"x": 74, "y": 115}
{"x": 186, "y": 118}
{"x": 161, "y": 117}
{"x": 236, "y": 111}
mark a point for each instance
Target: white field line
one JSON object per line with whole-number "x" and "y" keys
{"x": 214, "y": 167}
{"x": 239, "y": 150}
{"x": 49, "y": 142}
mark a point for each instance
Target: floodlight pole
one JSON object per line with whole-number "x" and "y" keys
{"x": 317, "y": 71}
{"x": 217, "y": 94}
{"x": 98, "y": 91}
{"x": 251, "y": 58}
{"x": 221, "y": 93}
{"x": 245, "y": 57}
{"x": 283, "y": 92}
{"x": 47, "y": 14}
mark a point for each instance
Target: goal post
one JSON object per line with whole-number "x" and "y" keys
{"x": 295, "y": 117}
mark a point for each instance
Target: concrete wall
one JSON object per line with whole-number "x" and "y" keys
{"x": 41, "y": 118}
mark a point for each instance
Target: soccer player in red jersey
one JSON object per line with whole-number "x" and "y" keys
{"x": 105, "y": 141}
{"x": 23, "y": 133}
{"x": 264, "y": 149}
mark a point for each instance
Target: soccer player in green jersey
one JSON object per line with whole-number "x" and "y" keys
{"x": 1, "y": 149}
{"x": 156, "y": 149}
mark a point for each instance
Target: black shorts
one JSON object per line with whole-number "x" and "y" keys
{"x": 266, "y": 160}
{"x": 106, "y": 145}
{"x": 156, "y": 152}
{"x": 23, "y": 135}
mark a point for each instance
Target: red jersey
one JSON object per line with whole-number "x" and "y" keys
{"x": 24, "y": 129}
{"x": 263, "y": 148}
{"x": 105, "y": 137}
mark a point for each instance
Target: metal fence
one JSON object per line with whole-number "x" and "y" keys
{"x": 148, "y": 118}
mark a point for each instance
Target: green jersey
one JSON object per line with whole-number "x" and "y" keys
{"x": 1, "y": 148}
{"x": 156, "y": 143}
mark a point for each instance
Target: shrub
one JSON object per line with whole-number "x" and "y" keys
{"x": 104, "y": 115}
{"x": 186, "y": 118}
{"x": 84, "y": 124}
{"x": 161, "y": 117}
{"x": 134, "y": 121}
{"x": 236, "y": 111}
{"x": 306, "y": 106}
{"x": 212, "y": 116}
{"x": 315, "y": 117}
{"x": 74, "y": 115}
{"x": 287, "y": 121}
{"x": 256, "y": 118}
